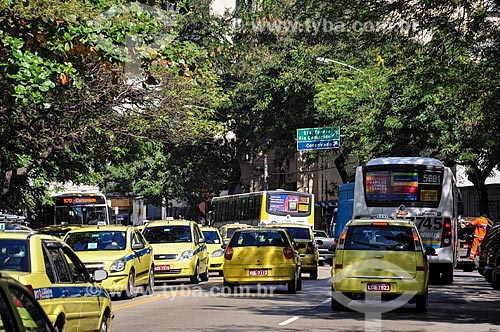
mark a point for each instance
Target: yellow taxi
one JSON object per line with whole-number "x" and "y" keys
{"x": 72, "y": 300}
{"x": 58, "y": 230}
{"x": 262, "y": 256}
{"x": 227, "y": 230}
{"x": 308, "y": 249}
{"x": 122, "y": 251}
{"x": 213, "y": 241}
{"x": 381, "y": 258}
{"x": 179, "y": 250}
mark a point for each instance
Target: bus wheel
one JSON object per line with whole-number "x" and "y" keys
{"x": 447, "y": 276}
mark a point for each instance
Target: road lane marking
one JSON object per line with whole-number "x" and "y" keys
{"x": 288, "y": 321}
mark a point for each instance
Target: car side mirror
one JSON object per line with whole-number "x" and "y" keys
{"x": 99, "y": 275}
{"x": 201, "y": 240}
{"x": 137, "y": 246}
{"x": 430, "y": 251}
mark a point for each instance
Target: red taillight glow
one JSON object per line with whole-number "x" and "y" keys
{"x": 446, "y": 238}
{"x": 380, "y": 223}
{"x": 30, "y": 288}
{"x": 229, "y": 253}
{"x": 338, "y": 266}
{"x": 340, "y": 243}
{"x": 288, "y": 252}
{"x": 420, "y": 268}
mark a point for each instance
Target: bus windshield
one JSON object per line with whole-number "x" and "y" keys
{"x": 81, "y": 209}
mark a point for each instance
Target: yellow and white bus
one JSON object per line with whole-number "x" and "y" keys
{"x": 420, "y": 189}
{"x": 263, "y": 207}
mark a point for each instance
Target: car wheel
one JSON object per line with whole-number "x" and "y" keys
{"x": 299, "y": 283}
{"x": 292, "y": 286}
{"x": 336, "y": 305}
{"x": 59, "y": 324}
{"x": 105, "y": 323}
{"x": 314, "y": 274}
{"x": 196, "y": 276}
{"x": 149, "y": 288}
{"x": 227, "y": 287}
{"x": 495, "y": 280}
{"x": 422, "y": 302}
{"x": 204, "y": 276}
{"x": 130, "y": 291}
{"x": 434, "y": 277}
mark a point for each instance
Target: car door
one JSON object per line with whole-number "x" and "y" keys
{"x": 84, "y": 291}
{"x": 144, "y": 257}
{"x": 58, "y": 272}
{"x": 201, "y": 248}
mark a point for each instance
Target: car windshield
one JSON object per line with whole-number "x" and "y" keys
{"x": 98, "y": 240}
{"x": 379, "y": 238}
{"x": 259, "y": 238}
{"x": 167, "y": 234}
{"x": 320, "y": 234}
{"x": 13, "y": 255}
{"x": 211, "y": 237}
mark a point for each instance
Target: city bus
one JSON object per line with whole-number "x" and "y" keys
{"x": 420, "y": 189}
{"x": 263, "y": 207}
{"x": 81, "y": 208}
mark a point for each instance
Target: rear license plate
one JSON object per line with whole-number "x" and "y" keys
{"x": 257, "y": 272}
{"x": 378, "y": 287}
{"x": 162, "y": 267}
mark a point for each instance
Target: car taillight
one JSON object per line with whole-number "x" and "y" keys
{"x": 416, "y": 240}
{"x": 340, "y": 243}
{"x": 30, "y": 288}
{"x": 288, "y": 252}
{"x": 338, "y": 266}
{"x": 446, "y": 238}
{"x": 310, "y": 248}
{"x": 229, "y": 253}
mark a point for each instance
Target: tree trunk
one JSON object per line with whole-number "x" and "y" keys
{"x": 479, "y": 181}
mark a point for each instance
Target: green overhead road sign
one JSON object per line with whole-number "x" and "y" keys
{"x": 318, "y": 138}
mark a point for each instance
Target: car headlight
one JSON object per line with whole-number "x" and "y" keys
{"x": 118, "y": 265}
{"x": 218, "y": 253}
{"x": 186, "y": 255}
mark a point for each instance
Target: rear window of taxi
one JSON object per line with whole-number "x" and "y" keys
{"x": 392, "y": 238}
{"x": 300, "y": 233}
{"x": 259, "y": 238}
{"x": 13, "y": 255}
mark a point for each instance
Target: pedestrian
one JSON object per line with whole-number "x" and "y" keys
{"x": 481, "y": 224}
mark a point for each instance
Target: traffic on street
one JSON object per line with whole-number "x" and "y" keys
{"x": 470, "y": 304}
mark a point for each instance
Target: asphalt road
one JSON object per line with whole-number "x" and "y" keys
{"x": 470, "y": 304}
